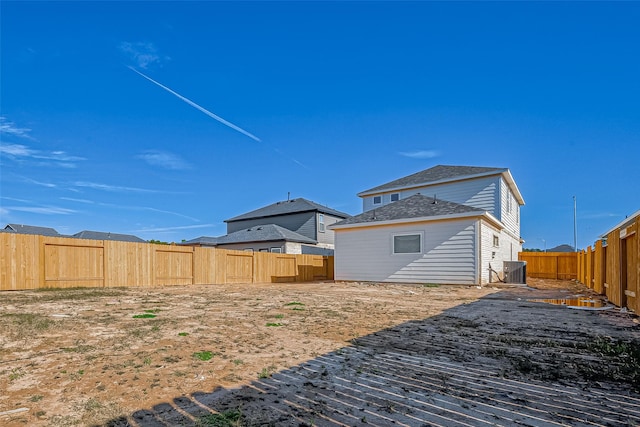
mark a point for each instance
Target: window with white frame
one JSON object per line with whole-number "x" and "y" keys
{"x": 395, "y": 197}
{"x": 407, "y": 243}
{"x": 509, "y": 202}
{"x": 276, "y": 250}
{"x": 377, "y": 200}
{"x": 321, "y": 223}
{"x": 496, "y": 241}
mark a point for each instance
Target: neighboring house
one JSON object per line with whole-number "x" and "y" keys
{"x": 32, "y": 229}
{"x": 100, "y": 235}
{"x": 446, "y": 224}
{"x": 50, "y": 232}
{"x": 290, "y": 226}
{"x": 261, "y": 238}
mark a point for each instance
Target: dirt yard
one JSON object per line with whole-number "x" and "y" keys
{"x": 315, "y": 354}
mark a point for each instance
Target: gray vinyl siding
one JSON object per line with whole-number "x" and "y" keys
{"x": 327, "y": 237}
{"x": 480, "y": 193}
{"x": 449, "y": 253}
{"x": 302, "y": 223}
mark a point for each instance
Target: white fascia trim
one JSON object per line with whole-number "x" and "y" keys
{"x": 430, "y": 183}
{"x": 494, "y": 221}
{"x": 514, "y": 188}
{"x": 484, "y": 215}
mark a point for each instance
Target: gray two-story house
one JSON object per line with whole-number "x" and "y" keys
{"x": 297, "y": 226}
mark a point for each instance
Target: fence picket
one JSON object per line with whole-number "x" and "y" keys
{"x": 32, "y": 262}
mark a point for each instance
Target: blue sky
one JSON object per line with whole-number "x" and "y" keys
{"x": 321, "y": 100}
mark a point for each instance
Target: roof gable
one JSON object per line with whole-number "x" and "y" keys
{"x": 441, "y": 174}
{"x": 288, "y": 207}
{"x": 416, "y": 206}
{"x": 436, "y": 174}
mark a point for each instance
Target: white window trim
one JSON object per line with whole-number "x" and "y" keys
{"x": 321, "y": 227}
{"x": 416, "y": 233}
{"x": 496, "y": 238}
{"x": 374, "y": 200}
{"x": 394, "y": 194}
{"x": 276, "y": 250}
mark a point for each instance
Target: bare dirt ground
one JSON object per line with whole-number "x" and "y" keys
{"x": 316, "y": 354}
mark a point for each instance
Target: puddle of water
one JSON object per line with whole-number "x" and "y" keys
{"x": 580, "y": 303}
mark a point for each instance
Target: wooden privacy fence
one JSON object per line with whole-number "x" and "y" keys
{"x": 613, "y": 268}
{"x": 33, "y": 262}
{"x": 551, "y": 265}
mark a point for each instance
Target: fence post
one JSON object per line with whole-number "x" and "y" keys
{"x": 41, "y": 262}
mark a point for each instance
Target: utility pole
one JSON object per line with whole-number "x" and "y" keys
{"x": 575, "y": 226}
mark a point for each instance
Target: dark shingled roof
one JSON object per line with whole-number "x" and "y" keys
{"x": 264, "y": 233}
{"x": 440, "y": 173}
{"x": 101, "y": 235}
{"x": 202, "y": 240}
{"x": 416, "y": 206}
{"x": 258, "y": 233}
{"x": 288, "y": 207}
{"x": 32, "y": 229}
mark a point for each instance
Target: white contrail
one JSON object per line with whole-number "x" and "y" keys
{"x": 204, "y": 110}
{"x": 290, "y": 158}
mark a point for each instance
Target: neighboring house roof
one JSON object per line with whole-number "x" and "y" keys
{"x": 32, "y": 229}
{"x": 442, "y": 174}
{"x": 100, "y": 235}
{"x": 263, "y": 233}
{"x": 288, "y": 207}
{"x": 259, "y": 233}
{"x": 202, "y": 240}
{"x": 414, "y": 207}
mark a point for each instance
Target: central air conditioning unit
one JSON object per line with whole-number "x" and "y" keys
{"x": 515, "y": 272}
